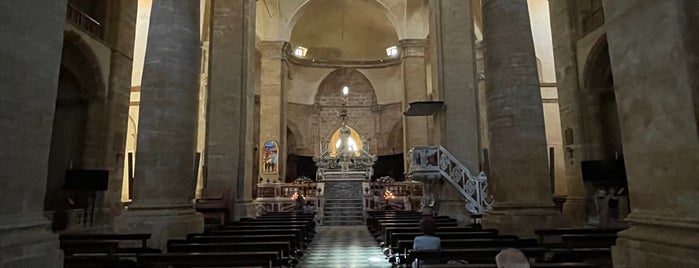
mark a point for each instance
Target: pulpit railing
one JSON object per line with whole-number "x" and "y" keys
{"x": 427, "y": 163}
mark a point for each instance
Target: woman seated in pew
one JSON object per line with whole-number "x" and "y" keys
{"x": 428, "y": 240}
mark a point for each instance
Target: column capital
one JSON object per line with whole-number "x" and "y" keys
{"x": 274, "y": 49}
{"x": 413, "y": 47}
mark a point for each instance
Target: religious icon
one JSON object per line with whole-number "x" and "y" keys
{"x": 270, "y": 157}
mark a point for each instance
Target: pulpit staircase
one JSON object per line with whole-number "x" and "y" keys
{"x": 343, "y": 212}
{"x": 430, "y": 164}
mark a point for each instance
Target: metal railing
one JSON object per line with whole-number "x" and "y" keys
{"x": 427, "y": 163}
{"x": 84, "y": 21}
{"x": 593, "y": 20}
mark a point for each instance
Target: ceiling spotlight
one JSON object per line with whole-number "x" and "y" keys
{"x": 300, "y": 51}
{"x": 392, "y": 51}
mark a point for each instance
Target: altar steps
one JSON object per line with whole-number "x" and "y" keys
{"x": 343, "y": 212}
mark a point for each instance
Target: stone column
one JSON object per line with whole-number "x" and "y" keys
{"x": 454, "y": 76}
{"x": 415, "y": 131}
{"x": 230, "y": 102}
{"x": 33, "y": 38}
{"x": 164, "y": 178}
{"x": 273, "y": 106}
{"x": 573, "y": 130}
{"x": 122, "y": 18}
{"x": 518, "y": 177}
{"x": 654, "y": 58}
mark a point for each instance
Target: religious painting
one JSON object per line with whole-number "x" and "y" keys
{"x": 270, "y": 157}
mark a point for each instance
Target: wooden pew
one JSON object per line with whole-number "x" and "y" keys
{"x": 552, "y": 236}
{"x": 301, "y": 241}
{"x": 472, "y": 255}
{"x": 297, "y": 232}
{"x": 533, "y": 265}
{"x": 139, "y": 237}
{"x": 590, "y": 245}
{"x": 103, "y": 250}
{"x": 382, "y": 224}
{"x": 233, "y": 259}
{"x": 406, "y": 245}
{"x": 388, "y": 232}
{"x": 101, "y": 261}
{"x": 283, "y": 249}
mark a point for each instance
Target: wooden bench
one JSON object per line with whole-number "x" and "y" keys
{"x": 488, "y": 233}
{"x": 406, "y": 245}
{"x": 548, "y": 236}
{"x": 101, "y": 261}
{"x": 388, "y": 232}
{"x": 472, "y": 255}
{"x": 142, "y": 237}
{"x": 385, "y": 227}
{"x": 291, "y": 239}
{"x": 533, "y": 265}
{"x": 283, "y": 249}
{"x": 218, "y": 259}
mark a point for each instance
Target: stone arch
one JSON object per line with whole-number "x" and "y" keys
{"x": 361, "y": 91}
{"x": 597, "y": 72}
{"x": 78, "y": 138}
{"x": 394, "y": 141}
{"x": 602, "y": 120}
{"x": 301, "y": 9}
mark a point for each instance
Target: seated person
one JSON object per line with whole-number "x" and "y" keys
{"x": 428, "y": 240}
{"x": 511, "y": 258}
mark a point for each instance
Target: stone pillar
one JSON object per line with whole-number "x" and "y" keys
{"x": 120, "y": 34}
{"x": 518, "y": 177}
{"x": 230, "y": 102}
{"x": 273, "y": 107}
{"x": 565, "y": 35}
{"x": 164, "y": 177}
{"x": 654, "y": 58}
{"x": 454, "y": 76}
{"x": 33, "y": 34}
{"x": 415, "y": 131}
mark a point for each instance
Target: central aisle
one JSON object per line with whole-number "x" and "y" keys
{"x": 343, "y": 246}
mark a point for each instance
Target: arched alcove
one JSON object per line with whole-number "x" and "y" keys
{"x": 361, "y": 91}
{"x": 78, "y": 138}
{"x": 601, "y": 104}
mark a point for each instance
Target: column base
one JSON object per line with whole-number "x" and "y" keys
{"x": 522, "y": 221}
{"x": 29, "y": 244}
{"x": 244, "y": 209}
{"x": 575, "y": 210}
{"x": 656, "y": 241}
{"x": 164, "y": 224}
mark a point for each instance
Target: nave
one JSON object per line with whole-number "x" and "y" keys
{"x": 344, "y": 246}
{"x": 293, "y": 240}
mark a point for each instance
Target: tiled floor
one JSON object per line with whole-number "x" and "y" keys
{"x": 343, "y": 246}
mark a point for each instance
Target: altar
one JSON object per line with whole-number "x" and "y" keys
{"x": 344, "y": 166}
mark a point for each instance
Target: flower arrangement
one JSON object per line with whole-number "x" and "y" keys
{"x": 385, "y": 179}
{"x": 303, "y": 179}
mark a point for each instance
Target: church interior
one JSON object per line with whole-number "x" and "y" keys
{"x": 325, "y": 133}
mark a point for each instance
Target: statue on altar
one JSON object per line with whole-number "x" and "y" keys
{"x": 345, "y": 152}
